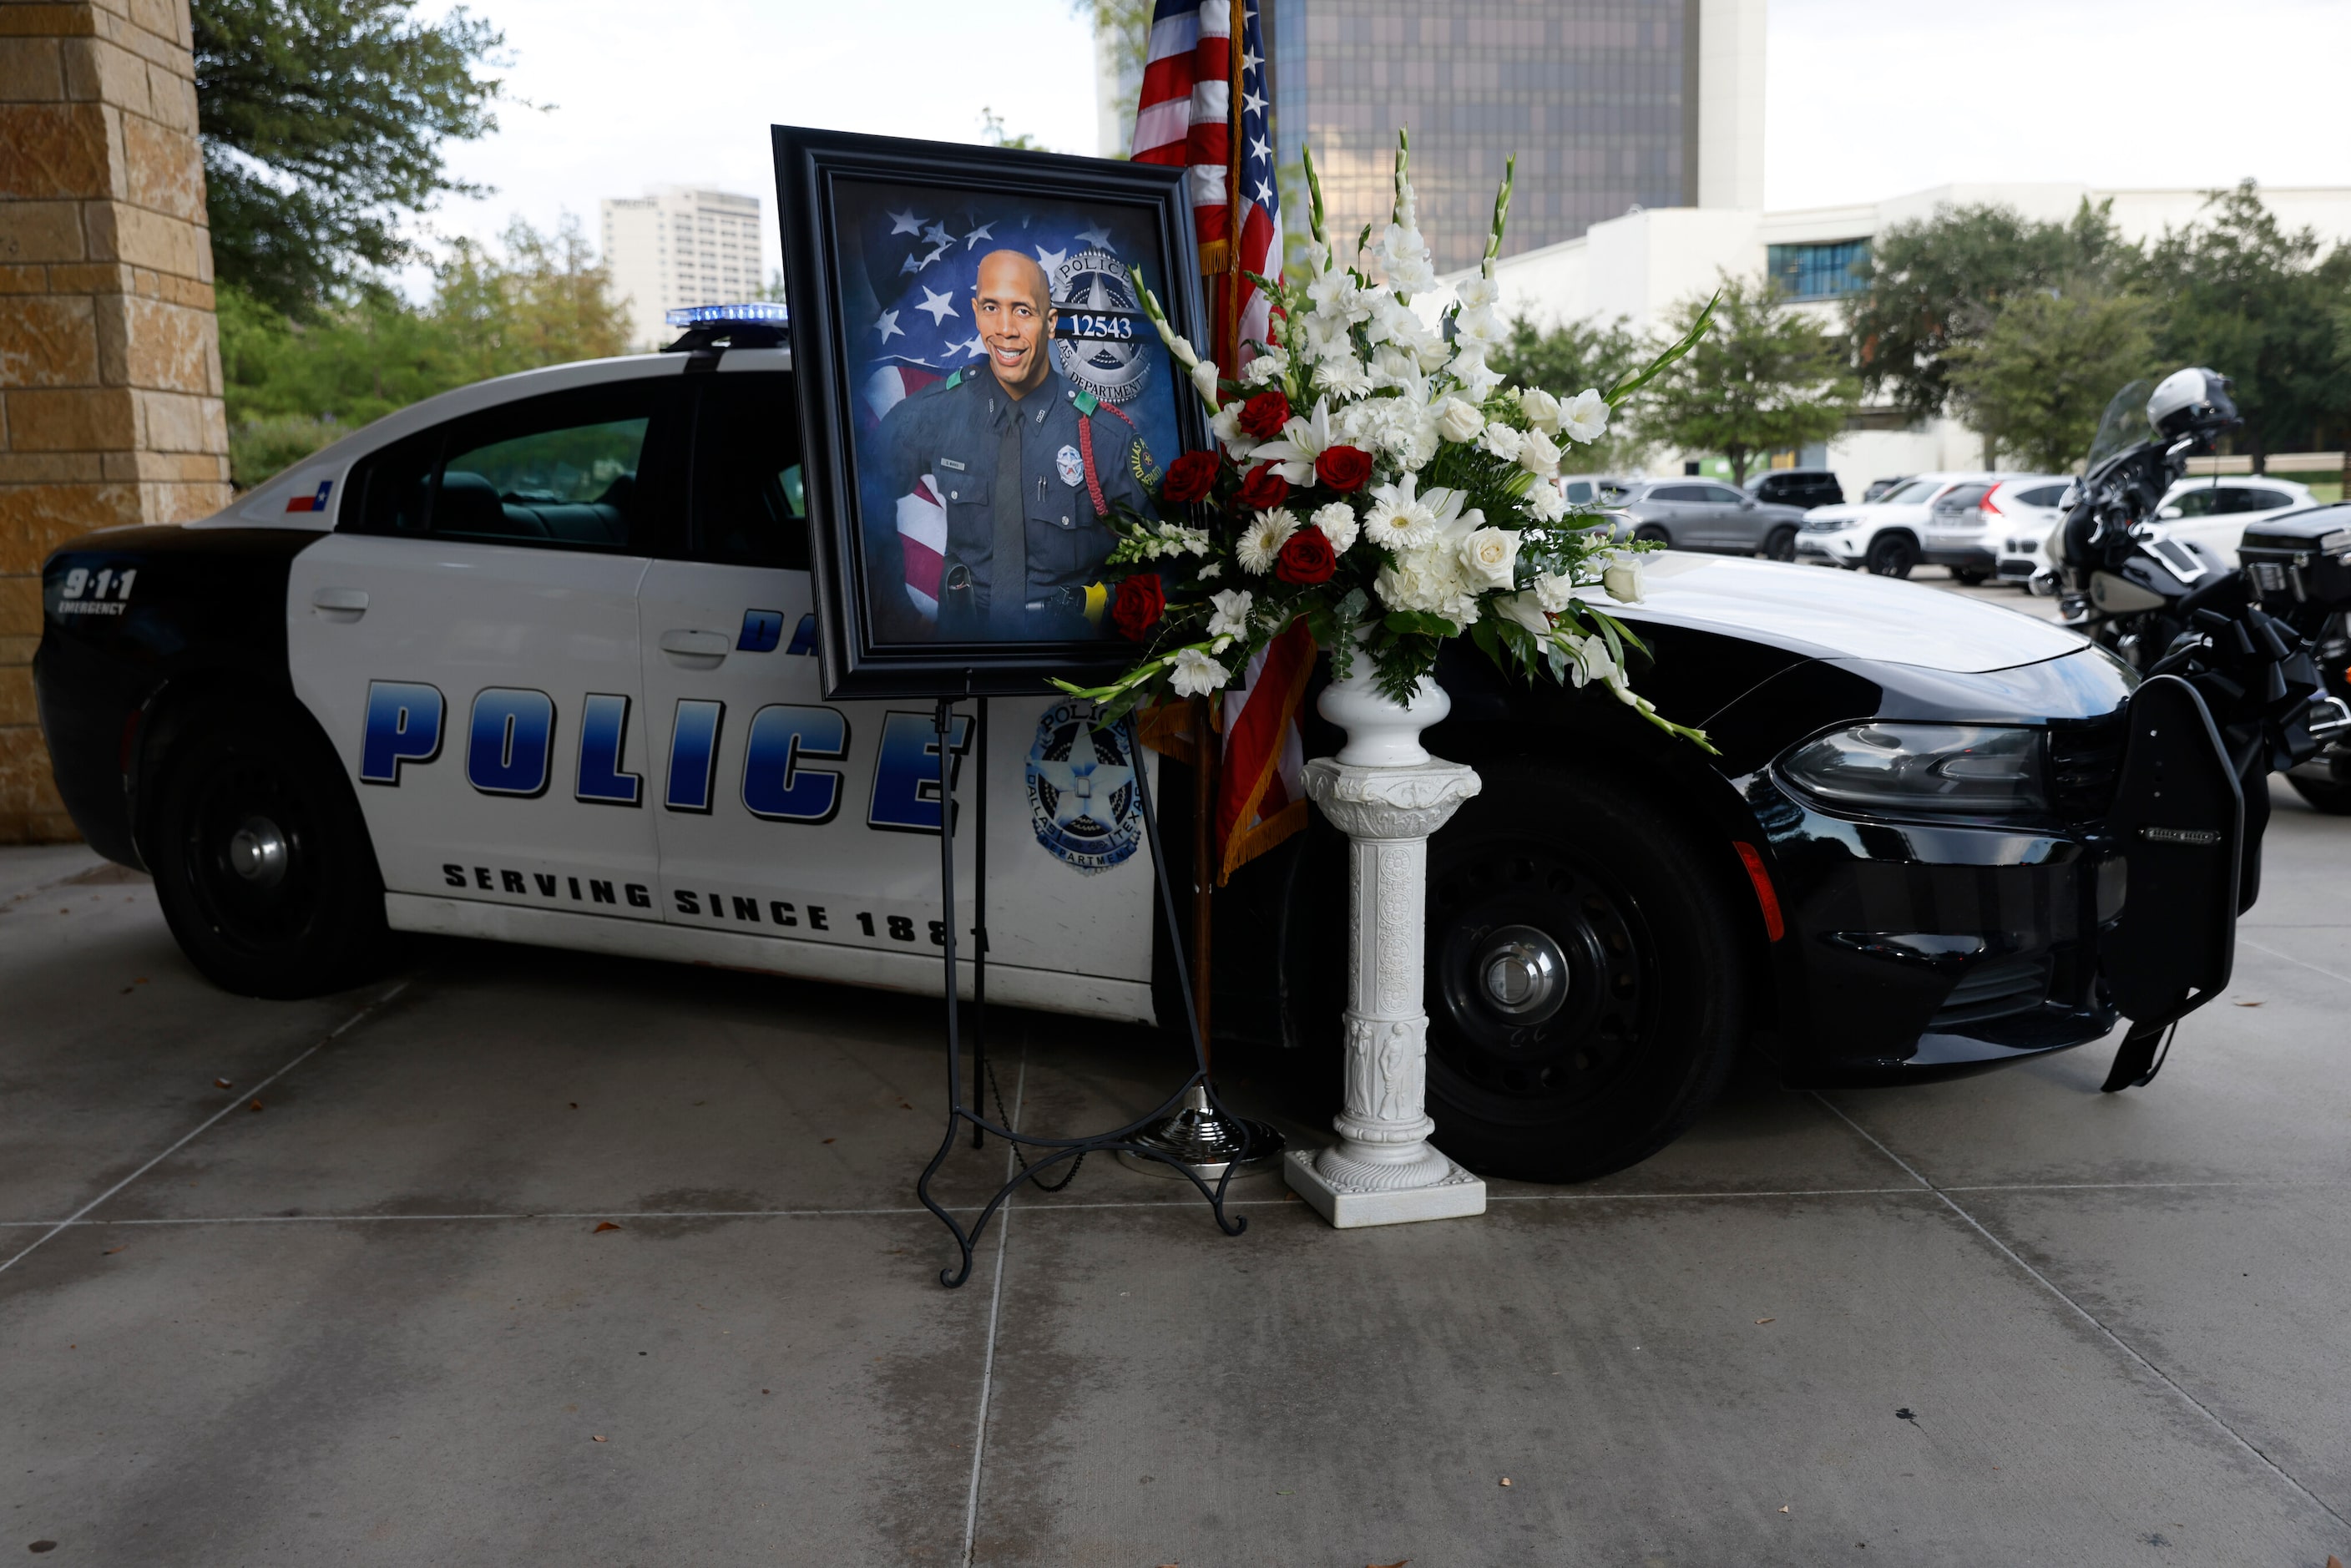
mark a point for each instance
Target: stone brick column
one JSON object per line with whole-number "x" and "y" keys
{"x": 109, "y": 355}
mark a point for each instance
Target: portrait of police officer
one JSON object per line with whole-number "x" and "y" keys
{"x": 1028, "y": 467}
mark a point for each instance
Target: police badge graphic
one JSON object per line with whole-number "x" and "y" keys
{"x": 1102, "y": 353}
{"x": 1082, "y": 789}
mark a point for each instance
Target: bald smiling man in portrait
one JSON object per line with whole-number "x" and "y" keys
{"x": 1028, "y": 468}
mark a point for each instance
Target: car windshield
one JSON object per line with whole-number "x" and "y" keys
{"x": 2124, "y": 424}
{"x": 1917, "y": 490}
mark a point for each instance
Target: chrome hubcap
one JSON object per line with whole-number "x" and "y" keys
{"x": 1524, "y": 973}
{"x": 257, "y": 851}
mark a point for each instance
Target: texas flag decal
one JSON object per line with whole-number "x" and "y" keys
{"x": 317, "y": 503}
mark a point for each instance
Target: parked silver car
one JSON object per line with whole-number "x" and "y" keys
{"x": 1703, "y": 514}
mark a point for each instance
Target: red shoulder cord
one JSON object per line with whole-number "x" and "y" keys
{"x": 1086, "y": 450}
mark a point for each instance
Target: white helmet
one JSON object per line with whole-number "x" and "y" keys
{"x": 2193, "y": 402}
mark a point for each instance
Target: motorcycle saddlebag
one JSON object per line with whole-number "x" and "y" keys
{"x": 2304, "y": 557}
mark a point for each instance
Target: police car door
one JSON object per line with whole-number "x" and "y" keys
{"x": 798, "y": 835}
{"x": 468, "y": 638}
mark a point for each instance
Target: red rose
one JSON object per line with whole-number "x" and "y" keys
{"x": 1343, "y": 468}
{"x": 1141, "y": 601}
{"x": 1189, "y": 478}
{"x": 1264, "y": 489}
{"x": 1264, "y": 414}
{"x": 1307, "y": 558}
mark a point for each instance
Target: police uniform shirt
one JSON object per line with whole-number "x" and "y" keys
{"x": 1012, "y": 475}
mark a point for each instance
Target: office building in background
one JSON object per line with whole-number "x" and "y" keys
{"x": 675, "y": 246}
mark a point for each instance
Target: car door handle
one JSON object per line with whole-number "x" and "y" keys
{"x": 340, "y": 603}
{"x": 695, "y": 650}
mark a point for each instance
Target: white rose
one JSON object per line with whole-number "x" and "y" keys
{"x": 1204, "y": 376}
{"x": 1337, "y": 524}
{"x": 1553, "y": 590}
{"x": 1585, "y": 417}
{"x": 1502, "y": 441}
{"x": 1539, "y": 456}
{"x": 1195, "y": 674}
{"x": 1489, "y": 558}
{"x": 1231, "y": 619}
{"x": 1542, "y": 408}
{"x": 1527, "y": 609}
{"x": 1262, "y": 541}
{"x": 1621, "y": 579}
{"x": 1457, "y": 420}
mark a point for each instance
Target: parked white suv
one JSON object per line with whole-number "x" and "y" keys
{"x": 1887, "y": 535}
{"x": 2213, "y": 512}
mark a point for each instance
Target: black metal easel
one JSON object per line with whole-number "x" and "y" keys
{"x": 1120, "y": 1139}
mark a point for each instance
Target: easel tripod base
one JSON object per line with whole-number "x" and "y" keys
{"x": 1201, "y": 1140}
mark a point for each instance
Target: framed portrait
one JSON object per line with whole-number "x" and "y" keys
{"x": 980, "y": 396}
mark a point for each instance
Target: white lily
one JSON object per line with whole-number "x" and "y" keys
{"x": 1302, "y": 441}
{"x": 1584, "y": 416}
{"x": 1193, "y": 674}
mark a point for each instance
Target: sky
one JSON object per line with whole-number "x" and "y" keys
{"x": 1864, "y": 98}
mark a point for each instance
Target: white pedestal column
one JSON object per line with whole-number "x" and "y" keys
{"x": 1387, "y": 795}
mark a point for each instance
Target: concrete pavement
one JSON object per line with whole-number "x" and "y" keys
{"x": 380, "y": 1320}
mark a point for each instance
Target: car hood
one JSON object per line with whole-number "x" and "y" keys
{"x": 1836, "y": 614}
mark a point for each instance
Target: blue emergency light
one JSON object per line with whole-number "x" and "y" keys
{"x": 755, "y": 311}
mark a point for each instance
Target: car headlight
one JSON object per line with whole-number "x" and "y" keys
{"x": 1972, "y": 769}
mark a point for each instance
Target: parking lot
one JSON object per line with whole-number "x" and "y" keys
{"x": 527, "y": 1256}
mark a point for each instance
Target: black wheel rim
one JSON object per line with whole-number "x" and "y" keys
{"x": 249, "y": 846}
{"x": 1890, "y": 560}
{"x": 1500, "y": 1039}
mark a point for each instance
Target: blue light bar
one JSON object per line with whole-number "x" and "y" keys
{"x": 711, "y": 315}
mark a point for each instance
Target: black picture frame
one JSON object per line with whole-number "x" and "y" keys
{"x": 815, "y": 169}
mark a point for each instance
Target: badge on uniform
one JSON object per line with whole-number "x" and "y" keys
{"x": 1073, "y": 470}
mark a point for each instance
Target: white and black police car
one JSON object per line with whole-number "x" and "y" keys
{"x": 533, "y": 660}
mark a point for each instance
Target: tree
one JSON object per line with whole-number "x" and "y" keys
{"x": 322, "y": 123}
{"x": 2037, "y": 382}
{"x": 2242, "y": 295}
{"x": 1568, "y": 358}
{"x": 293, "y": 385}
{"x": 1931, "y": 285}
{"x": 1763, "y": 379}
{"x": 1125, "y": 27}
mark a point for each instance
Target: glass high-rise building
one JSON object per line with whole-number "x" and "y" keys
{"x": 1608, "y": 104}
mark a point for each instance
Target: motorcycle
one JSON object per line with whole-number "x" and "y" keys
{"x": 2227, "y": 654}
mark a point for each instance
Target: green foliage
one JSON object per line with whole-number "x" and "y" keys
{"x": 539, "y": 300}
{"x": 2035, "y": 383}
{"x": 1763, "y": 380}
{"x": 322, "y": 123}
{"x": 1940, "y": 282}
{"x": 992, "y": 132}
{"x": 2240, "y": 294}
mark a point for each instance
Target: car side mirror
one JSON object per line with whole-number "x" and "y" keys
{"x": 2168, "y": 513}
{"x": 1747, "y": 503}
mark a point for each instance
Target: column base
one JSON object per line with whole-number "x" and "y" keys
{"x": 1456, "y": 1194}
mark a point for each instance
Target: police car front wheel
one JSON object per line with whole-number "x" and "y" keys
{"x": 1586, "y": 981}
{"x": 262, "y": 864}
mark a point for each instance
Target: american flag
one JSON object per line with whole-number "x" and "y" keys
{"x": 1185, "y": 119}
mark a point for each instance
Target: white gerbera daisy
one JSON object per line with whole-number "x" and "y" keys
{"x": 1262, "y": 541}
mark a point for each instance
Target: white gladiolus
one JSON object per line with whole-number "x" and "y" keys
{"x": 1479, "y": 293}
{"x": 1489, "y": 556}
{"x": 1327, "y": 336}
{"x": 1209, "y": 570}
{"x": 1584, "y": 417}
{"x": 1541, "y": 409}
{"x": 1503, "y": 440}
{"x": 1262, "y": 541}
{"x": 1553, "y": 590}
{"x": 1621, "y": 579}
{"x": 1195, "y": 674}
{"x": 1231, "y": 619}
{"x": 1539, "y": 456}
{"x": 1226, "y": 424}
{"x": 1527, "y": 609}
{"x": 1337, "y": 524}
{"x": 1457, "y": 420}
{"x": 1399, "y": 519}
{"x": 1204, "y": 377}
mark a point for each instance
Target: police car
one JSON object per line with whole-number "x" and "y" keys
{"x": 533, "y": 660}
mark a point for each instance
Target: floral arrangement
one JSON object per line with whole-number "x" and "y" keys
{"x": 1378, "y": 481}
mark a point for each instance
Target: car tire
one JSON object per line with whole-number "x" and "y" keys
{"x": 1969, "y": 578}
{"x": 262, "y": 863}
{"x": 1636, "y": 923}
{"x": 1780, "y": 544}
{"x": 1892, "y": 555}
{"x": 1653, "y": 533}
{"x": 2332, "y": 796}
